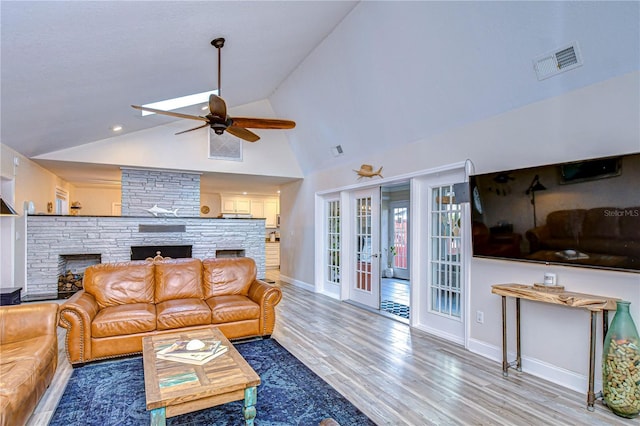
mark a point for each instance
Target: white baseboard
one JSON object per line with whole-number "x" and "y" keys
{"x": 535, "y": 367}
{"x": 439, "y": 333}
{"x": 298, "y": 283}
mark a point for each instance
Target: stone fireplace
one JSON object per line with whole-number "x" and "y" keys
{"x": 50, "y": 237}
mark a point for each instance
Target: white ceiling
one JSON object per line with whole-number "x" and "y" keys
{"x": 71, "y": 70}
{"x": 365, "y": 75}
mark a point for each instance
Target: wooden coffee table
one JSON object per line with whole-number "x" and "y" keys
{"x": 173, "y": 388}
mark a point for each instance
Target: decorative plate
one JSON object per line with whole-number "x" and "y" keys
{"x": 205, "y": 209}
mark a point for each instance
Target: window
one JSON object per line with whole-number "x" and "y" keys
{"x": 62, "y": 201}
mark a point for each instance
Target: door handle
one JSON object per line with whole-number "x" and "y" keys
{"x": 374, "y": 255}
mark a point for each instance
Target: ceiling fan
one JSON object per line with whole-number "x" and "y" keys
{"x": 218, "y": 119}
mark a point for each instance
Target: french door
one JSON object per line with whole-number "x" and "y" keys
{"x": 400, "y": 225}
{"x": 365, "y": 282}
{"x": 445, "y": 285}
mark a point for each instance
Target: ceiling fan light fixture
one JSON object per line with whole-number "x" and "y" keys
{"x": 217, "y": 118}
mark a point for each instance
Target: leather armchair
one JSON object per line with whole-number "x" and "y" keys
{"x": 28, "y": 358}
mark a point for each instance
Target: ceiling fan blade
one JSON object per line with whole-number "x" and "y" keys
{"x": 169, "y": 113}
{"x": 263, "y": 123}
{"x": 245, "y": 134}
{"x": 191, "y": 130}
{"x": 217, "y": 107}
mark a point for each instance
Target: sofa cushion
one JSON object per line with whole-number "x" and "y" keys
{"x": 182, "y": 313}
{"x": 232, "y": 308}
{"x": 124, "y": 319}
{"x": 17, "y": 375}
{"x": 178, "y": 279}
{"x": 224, "y": 276}
{"x": 565, "y": 223}
{"x": 120, "y": 283}
{"x": 602, "y": 222}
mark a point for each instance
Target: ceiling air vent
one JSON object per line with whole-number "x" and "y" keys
{"x": 558, "y": 61}
{"x": 224, "y": 147}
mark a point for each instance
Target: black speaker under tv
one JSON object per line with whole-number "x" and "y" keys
{"x": 583, "y": 213}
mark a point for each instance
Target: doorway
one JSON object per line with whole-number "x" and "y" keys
{"x": 395, "y": 285}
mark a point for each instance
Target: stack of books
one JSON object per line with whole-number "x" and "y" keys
{"x": 178, "y": 352}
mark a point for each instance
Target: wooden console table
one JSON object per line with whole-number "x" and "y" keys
{"x": 590, "y": 302}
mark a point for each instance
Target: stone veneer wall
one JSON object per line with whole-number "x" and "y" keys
{"x": 142, "y": 189}
{"x": 48, "y": 237}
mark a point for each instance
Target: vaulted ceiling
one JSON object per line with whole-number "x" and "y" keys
{"x": 365, "y": 75}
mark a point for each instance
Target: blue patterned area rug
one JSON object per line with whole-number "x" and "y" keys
{"x": 112, "y": 393}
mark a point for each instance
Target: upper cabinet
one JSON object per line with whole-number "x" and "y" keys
{"x": 271, "y": 210}
{"x": 235, "y": 205}
{"x": 259, "y": 207}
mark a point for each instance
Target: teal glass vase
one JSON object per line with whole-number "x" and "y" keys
{"x": 621, "y": 364}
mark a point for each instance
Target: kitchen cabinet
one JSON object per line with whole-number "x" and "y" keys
{"x": 272, "y": 255}
{"x": 271, "y": 213}
{"x": 235, "y": 205}
{"x": 259, "y": 207}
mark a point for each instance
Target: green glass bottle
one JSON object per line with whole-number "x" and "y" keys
{"x": 621, "y": 364}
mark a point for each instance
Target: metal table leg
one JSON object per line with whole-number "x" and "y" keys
{"x": 505, "y": 363}
{"x": 518, "y": 346}
{"x": 591, "y": 397}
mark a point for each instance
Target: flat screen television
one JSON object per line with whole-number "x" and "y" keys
{"x": 584, "y": 213}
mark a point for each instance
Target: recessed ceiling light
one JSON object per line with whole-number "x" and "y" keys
{"x": 181, "y": 102}
{"x": 116, "y": 128}
{"x": 244, "y": 193}
{"x": 278, "y": 191}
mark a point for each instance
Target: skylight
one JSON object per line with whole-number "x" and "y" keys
{"x": 181, "y": 102}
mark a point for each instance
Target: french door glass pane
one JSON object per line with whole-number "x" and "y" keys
{"x": 445, "y": 253}
{"x": 400, "y": 236}
{"x": 333, "y": 238}
{"x": 363, "y": 237}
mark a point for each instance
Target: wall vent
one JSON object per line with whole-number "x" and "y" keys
{"x": 224, "y": 147}
{"x": 558, "y": 61}
{"x": 337, "y": 150}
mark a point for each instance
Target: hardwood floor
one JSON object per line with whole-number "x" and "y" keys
{"x": 400, "y": 376}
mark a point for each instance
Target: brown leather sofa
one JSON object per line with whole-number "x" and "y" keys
{"x": 28, "y": 358}
{"x": 602, "y": 230}
{"x": 123, "y": 302}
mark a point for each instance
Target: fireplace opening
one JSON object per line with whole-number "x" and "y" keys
{"x": 230, "y": 253}
{"x": 71, "y": 269}
{"x": 174, "y": 252}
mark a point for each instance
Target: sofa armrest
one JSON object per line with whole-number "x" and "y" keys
{"x": 21, "y": 322}
{"x": 267, "y": 296}
{"x": 536, "y": 237}
{"x": 76, "y": 315}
